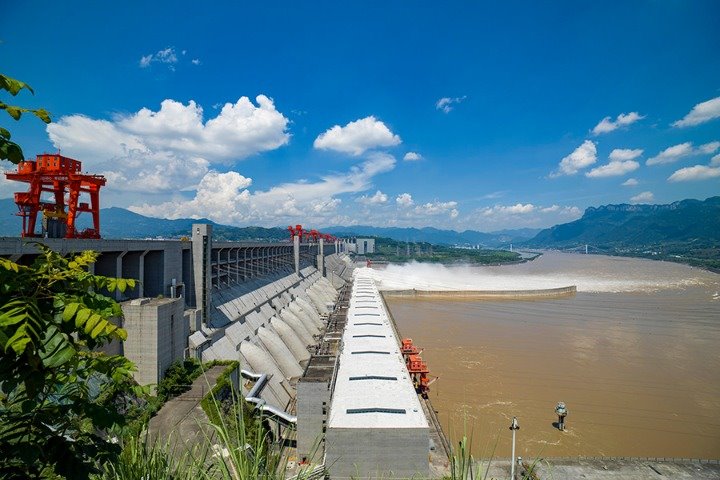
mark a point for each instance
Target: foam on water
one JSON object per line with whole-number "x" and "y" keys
{"x": 590, "y": 273}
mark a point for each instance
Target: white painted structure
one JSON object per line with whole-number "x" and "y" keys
{"x": 376, "y": 425}
{"x": 365, "y": 245}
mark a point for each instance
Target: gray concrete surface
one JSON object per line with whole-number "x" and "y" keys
{"x": 611, "y": 469}
{"x": 182, "y": 421}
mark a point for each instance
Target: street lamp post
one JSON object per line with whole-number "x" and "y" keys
{"x": 513, "y": 426}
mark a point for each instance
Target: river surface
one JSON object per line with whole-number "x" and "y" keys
{"x": 634, "y": 355}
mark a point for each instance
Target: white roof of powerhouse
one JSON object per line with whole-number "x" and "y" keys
{"x": 373, "y": 388}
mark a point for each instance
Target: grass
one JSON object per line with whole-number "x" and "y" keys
{"x": 237, "y": 446}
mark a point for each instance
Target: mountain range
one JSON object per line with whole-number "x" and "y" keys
{"x": 692, "y": 222}
{"x": 121, "y": 223}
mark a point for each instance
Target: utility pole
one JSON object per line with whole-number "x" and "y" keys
{"x": 514, "y": 427}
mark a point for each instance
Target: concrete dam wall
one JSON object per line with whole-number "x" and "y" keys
{"x": 264, "y": 304}
{"x": 509, "y": 294}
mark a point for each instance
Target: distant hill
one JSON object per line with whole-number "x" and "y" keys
{"x": 638, "y": 225}
{"x": 687, "y": 231}
{"x": 437, "y": 236}
{"x": 121, "y": 223}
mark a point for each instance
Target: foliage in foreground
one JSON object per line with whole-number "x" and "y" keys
{"x": 10, "y": 150}
{"x": 237, "y": 447}
{"x": 53, "y": 406}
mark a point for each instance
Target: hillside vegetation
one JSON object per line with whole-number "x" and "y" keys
{"x": 392, "y": 251}
{"x": 687, "y": 231}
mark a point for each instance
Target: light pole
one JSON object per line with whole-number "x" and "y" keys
{"x": 513, "y": 426}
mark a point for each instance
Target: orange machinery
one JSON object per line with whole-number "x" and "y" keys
{"x": 308, "y": 235}
{"x": 296, "y": 231}
{"x": 417, "y": 369}
{"x": 53, "y": 173}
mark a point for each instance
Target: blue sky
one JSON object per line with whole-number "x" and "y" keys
{"x": 482, "y": 115}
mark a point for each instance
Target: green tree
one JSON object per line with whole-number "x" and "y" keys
{"x": 10, "y": 150}
{"x": 55, "y": 410}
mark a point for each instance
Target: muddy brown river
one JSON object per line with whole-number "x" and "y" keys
{"x": 634, "y": 355}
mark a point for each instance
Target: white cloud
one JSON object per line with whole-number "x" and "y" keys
{"x": 622, "y": 161}
{"x": 630, "y": 182}
{"x": 357, "y": 137}
{"x": 709, "y": 148}
{"x": 404, "y": 200}
{"x": 412, "y": 156}
{"x": 170, "y": 149}
{"x": 446, "y": 103}
{"x": 437, "y": 208}
{"x": 697, "y": 172}
{"x": 607, "y": 125}
{"x": 682, "y": 150}
{"x": 671, "y": 154}
{"x": 715, "y": 161}
{"x": 583, "y": 156}
{"x": 625, "y": 154}
{"x": 517, "y": 209}
{"x": 643, "y": 197}
{"x": 195, "y": 61}
{"x": 378, "y": 199}
{"x": 167, "y": 56}
{"x": 523, "y": 215}
{"x": 700, "y": 113}
{"x": 225, "y": 197}
{"x": 613, "y": 169}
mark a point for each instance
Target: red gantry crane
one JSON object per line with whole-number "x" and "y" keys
{"x": 58, "y": 175}
{"x": 308, "y": 235}
{"x": 417, "y": 369}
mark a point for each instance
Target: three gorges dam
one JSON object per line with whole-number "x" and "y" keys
{"x": 318, "y": 351}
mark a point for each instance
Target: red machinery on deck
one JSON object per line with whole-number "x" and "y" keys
{"x": 53, "y": 173}
{"x": 417, "y": 369}
{"x": 296, "y": 231}
{"x": 308, "y": 235}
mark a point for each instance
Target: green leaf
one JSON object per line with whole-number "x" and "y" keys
{"x": 42, "y": 114}
{"x": 92, "y": 322}
{"x": 121, "y": 284}
{"x": 14, "y": 112}
{"x": 70, "y": 311}
{"x": 82, "y": 317}
{"x": 4, "y": 133}
{"x": 9, "y": 265}
{"x": 56, "y": 349}
{"x": 13, "y": 86}
{"x": 11, "y": 151}
{"x": 99, "y": 328}
{"x": 19, "y": 341}
{"x": 12, "y": 317}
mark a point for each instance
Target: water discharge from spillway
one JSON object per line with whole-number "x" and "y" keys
{"x": 590, "y": 273}
{"x": 633, "y": 355}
